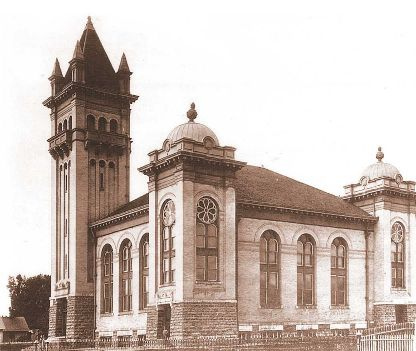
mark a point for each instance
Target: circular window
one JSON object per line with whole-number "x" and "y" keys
{"x": 397, "y": 233}
{"x": 168, "y": 213}
{"x": 206, "y": 210}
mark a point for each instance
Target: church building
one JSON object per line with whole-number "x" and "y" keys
{"x": 216, "y": 247}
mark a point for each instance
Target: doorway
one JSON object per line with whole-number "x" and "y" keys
{"x": 163, "y": 321}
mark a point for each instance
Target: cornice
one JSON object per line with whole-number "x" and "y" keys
{"x": 75, "y": 87}
{"x": 269, "y": 207}
{"x": 120, "y": 217}
{"x": 390, "y": 191}
{"x": 180, "y": 156}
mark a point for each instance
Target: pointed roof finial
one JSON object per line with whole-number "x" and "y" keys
{"x": 56, "y": 72}
{"x": 191, "y": 114}
{"x": 379, "y": 155}
{"x": 89, "y": 24}
{"x": 124, "y": 66}
{"x": 78, "y": 52}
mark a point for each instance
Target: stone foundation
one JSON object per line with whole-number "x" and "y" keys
{"x": 389, "y": 314}
{"x": 193, "y": 319}
{"x": 72, "y": 317}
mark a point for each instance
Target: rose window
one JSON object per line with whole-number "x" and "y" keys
{"x": 206, "y": 210}
{"x": 397, "y": 233}
{"x": 168, "y": 213}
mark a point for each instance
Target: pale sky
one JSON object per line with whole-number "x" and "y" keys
{"x": 309, "y": 89}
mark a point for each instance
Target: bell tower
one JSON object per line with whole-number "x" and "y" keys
{"x": 90, "y": 149}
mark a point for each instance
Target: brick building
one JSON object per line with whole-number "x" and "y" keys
{"x": 216, "y": 246}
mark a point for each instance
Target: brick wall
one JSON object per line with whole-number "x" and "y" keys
{"x": 384, "y": 314}
{"x": 80, "y": 317}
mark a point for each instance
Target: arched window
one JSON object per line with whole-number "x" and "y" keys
{"x": 339, "y": 253}
{"x": 59, "y": 127}
{"x": 65, "y": 127}
{"x": 102, "y": 124}
{"x": 144, "y": 271}
{"x": 206, "y": 240}
{"x": 90, "y": 122}
{"x": 70, "y": 123}
{"x": 126, "y": 273}
{"x": 107, "y": 279}
{"x": 113, "y": 126}
{"x": 397, "y": 255}
{"x": 269, "y": 270}
{"x": 305, "y": 270}
{"x": 168, "y": 243}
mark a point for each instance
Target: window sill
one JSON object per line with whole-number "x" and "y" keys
{"x": 126, "y": 313}
{"x": 398, "y": 289}
{"x": 307, "y": 307}
{"x": 340, "y": 307}
{"x": 167, "y": 285}
{"x": 264, "y": 308}
{"x": 201, "y": 282}
{"x": 107, "y": 314}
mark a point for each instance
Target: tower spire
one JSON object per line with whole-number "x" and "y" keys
{"x": 56, "y": 72}
{"x": 124, "y": 66}
{"x": 89, "y": 25}
{"x": 78, "y": 55}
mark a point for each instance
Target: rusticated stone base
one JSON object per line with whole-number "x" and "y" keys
{"x": 193, "y": 319}
{"x": 80, "y": 317}
{"x": 72, "y": 317}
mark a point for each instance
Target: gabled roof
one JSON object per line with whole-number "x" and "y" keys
{"x": 260, "y": 186}
{"x": 256, "y": 185}
{"x": 138, "y": 202}
{"x": 99, "y": 73}
{"x": 13, "y": 324}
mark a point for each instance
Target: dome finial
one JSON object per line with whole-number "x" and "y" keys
{"x": 191, "y": 114}
{"x": 379, "y": 155}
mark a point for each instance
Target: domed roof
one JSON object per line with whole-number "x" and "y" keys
{"x": 192, "y": 130}
{"x": 380, "y": 169}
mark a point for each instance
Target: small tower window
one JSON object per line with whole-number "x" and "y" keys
{"x": 91, "y": 122}
{"x": 65, "y": 125}
{"x": 70, "y": 123}
{"x": 102, "y": 124}
{"x": 113, "y": 126}
{"x": 101, "y": 175}
{"x": 59, "y": 127}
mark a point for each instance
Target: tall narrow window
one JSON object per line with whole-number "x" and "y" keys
{"x": 206, "y": 240}
{"x": 101, "y": 175}
{"x": 126, "y": 273}
{"x": 90, "y": 122}
{"x": 397, "y": 255}
{"x": 144, "y": 271}
{"x": 59, "y": 127}
{"x": 102, "y": 124}
{"x": 113, "y": 126}
{"x": 269, "y": 270}
{"x": 107, "y": 279}
{"x": 305, "y": 270}
{"x": 168, "y": 243}
{"x": 339, "y": 272}
{"x": 70, "y": 123}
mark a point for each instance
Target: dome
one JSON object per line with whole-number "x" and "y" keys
{"x": 380, "y": 169}
{"x": 192, "y": 130}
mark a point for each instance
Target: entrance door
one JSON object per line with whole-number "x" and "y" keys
{"x": 163, "y": 321}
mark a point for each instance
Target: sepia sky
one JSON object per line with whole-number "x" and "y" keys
{"x": 309, "y": 89}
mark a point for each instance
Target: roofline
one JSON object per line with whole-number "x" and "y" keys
{"x": 366, "y": 219}
{"x": 120, "y": 217}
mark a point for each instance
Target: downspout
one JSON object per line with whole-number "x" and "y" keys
{"x": 367, "y": 280}
{"x": 237, "y": 220}
{"x": 94, "y": 275}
